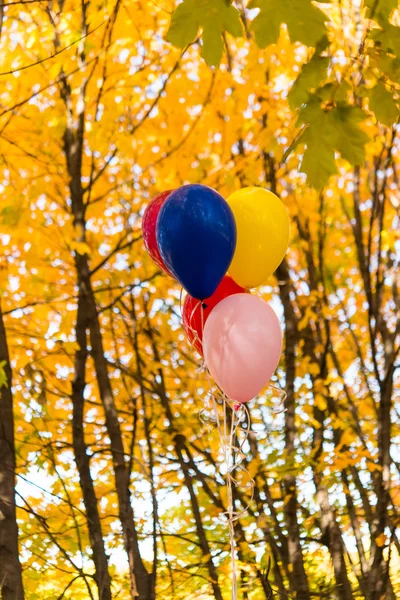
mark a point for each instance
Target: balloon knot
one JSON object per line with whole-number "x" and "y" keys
{"x": 236, "y": 406}
{"x": 204, "y": 305}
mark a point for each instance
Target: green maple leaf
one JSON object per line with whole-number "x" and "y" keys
{"x": 388, "y": 38}
{"x": 330, "y": 130}
{"x": 380, "y": 9}
{"x": 310, "y": 77}
{"x": 318, "y": 161}
{"x": 382, "y": 105}
{"x": 305, "y": 22}
{"x": 213, "y": 16}
{"x": 350, "y": 139}
{"x": 386, "y": 64}
{"x": 334, "y": 91}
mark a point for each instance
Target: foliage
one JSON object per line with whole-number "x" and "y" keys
{"x": 304, "y": 21}
{"x": 98, "y": 115}
{"x": 213, "y": 16}
{"x": 330, "y": 78}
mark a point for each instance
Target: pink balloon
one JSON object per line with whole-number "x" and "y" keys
{"x": 242, "y": 343}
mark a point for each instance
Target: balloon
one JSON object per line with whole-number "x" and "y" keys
{"x": 149, "y": 222}
{"x": 242, "y": 343}
{"x": 194, "y": 320}
{"x": 262, "y": 235}
{"x": 196, "y": 236}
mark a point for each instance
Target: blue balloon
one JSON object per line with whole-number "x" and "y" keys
{"x": 196, "y": 236}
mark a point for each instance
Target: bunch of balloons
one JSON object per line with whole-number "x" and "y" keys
{"x": 195, "y": 235}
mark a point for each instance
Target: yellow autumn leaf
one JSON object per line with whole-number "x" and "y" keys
{"x": 381, "y": 540}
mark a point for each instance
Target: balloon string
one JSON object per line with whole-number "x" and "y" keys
{"x": 232, "y": 450}
{"x": 280, "y": 408}
{"x": 233, "y": 457}
{"x": 196, "y": 338}
{"x": 228, "y": 450}
{"x": 231, "y": 505}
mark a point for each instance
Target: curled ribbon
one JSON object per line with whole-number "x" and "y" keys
{"x": 233, "y": 454}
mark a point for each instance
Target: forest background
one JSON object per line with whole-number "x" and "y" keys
{"x": 115, "y": 479}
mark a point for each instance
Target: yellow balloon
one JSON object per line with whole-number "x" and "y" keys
{"x": 262, "y": 225}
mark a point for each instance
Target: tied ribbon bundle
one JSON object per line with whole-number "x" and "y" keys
{"x": 196, "y": 236}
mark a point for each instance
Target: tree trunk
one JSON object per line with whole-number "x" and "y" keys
{"x": 299, "y": 581}
{"x": 10, "y": 567}
{"x": 140, "y": 581}
{"x": 73, "y": 149}
{"x": 205, "y": 547}
{"x": 180, "y": 447}
{"x": 330, "y": 530}
{"x": 378, "y": 579}
{"x": 82, "y": 459}
{"x": 248, "y": 556}
{"x": 378, "y": 576}
{"x": 146, "y": 424}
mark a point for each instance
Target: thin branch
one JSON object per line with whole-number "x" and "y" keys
{"x": 38, "y": 62}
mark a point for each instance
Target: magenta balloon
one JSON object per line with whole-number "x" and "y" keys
{"x": 242, "y": 343}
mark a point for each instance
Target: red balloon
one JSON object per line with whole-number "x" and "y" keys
{"x": 194, "y": 320}
{"x": 149, "y": 223}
